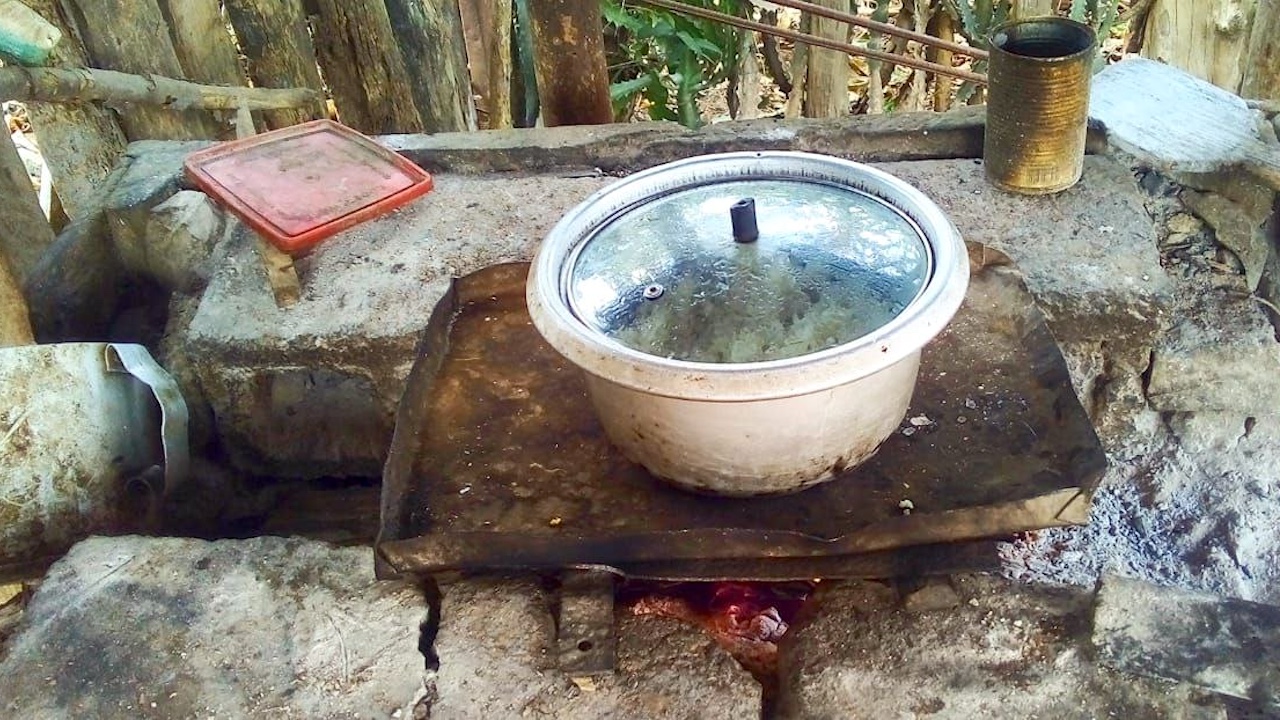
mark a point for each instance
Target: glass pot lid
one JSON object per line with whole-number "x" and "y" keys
{"x": 748, "y": 270}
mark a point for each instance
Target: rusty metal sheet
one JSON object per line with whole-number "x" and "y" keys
{"x": 498, "y": 461}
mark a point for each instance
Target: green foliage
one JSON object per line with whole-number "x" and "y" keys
{"x": 668, "y": 59}
{"x": 1101, "y": 15}
{"x": 976, "y": 19}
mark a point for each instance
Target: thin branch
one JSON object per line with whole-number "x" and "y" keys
{"x": 886, "y": 28}
{"x": 816, "y": 41}
{"x": 72, "y": 85}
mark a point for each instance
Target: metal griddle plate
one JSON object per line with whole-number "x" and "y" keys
{"x": 498, "y": 461}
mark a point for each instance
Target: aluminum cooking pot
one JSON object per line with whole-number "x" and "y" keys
{"x": 749, "y": 323}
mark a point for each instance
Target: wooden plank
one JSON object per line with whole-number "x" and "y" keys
{"x": 364, "y": 67}
{"x": 486, "y": 25}
{"x": 435, "y": 57}
{"x": 827, "y": 92}
{"x": 277, "y": 45}
{"x": 1228, "y": 646}
{"x": 1207, "y": 38}
{"x": 1178, "y": 122}
{"x": 132, "y": 36}
{"x": 568, "y": 49}
{"x": 500, "y": 65}
{"x": 200, "y": 38}
{"x": 81, "y": 142}
{"x": 25, "y": 233}
{"x": 744, "y": 84}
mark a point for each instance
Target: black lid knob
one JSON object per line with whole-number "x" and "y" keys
{"x": 742, "y": 215}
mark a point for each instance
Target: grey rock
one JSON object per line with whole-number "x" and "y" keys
{"x": 937, "y": 595}
{"x": 1195, "y": 511}
{"x": 136, "y": 627}
{"x": 1266, "y": 129}
{"x": 1227, "y": 646}
{"x": 1088, "y": 254}
{"x": 1236, "y": 229}
{"x": 151, "y": 174}
{"x": 180, "y": 238}
{"x": 496, "y": 648}
{"x": 311, "y": 390}
{"x": 1005, "y": 651}
{"x": 1221, "y": 356}
{"x": 74, "y": 291}
{"x": 172, "y": 355}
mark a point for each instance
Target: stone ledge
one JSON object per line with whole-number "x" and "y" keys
{"x": 1001, "y": 650}
{"x": 136, "y": 627}
{"x": 368, "y": 293}
{"x": 496, "y": 649}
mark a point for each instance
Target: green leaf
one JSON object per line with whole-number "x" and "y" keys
{"x": 700, "y": 46}
{"x": 1079, "y": 9}
{"x": 687, "y": 82}
{"x": 626, "y": 91}
{"x": 968, "y": 23}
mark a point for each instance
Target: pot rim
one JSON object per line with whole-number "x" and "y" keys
{"x": 612, "y": 361}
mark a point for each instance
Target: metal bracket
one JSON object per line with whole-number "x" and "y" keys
{"x": 584, "y": 628}
{"x": 136, "y": 361}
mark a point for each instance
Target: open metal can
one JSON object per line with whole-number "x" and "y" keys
{"x": 1038, "y": 104}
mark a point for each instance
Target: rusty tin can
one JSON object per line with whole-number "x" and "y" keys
{"x": 1038, "y": 104}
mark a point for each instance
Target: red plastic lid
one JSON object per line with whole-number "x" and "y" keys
{"x": 301, "y": 184}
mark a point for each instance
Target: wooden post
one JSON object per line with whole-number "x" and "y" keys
{"x": 500, "y": 66}
{"x": 486, "y": 24}
{"x": 944, "y": 30}
{"x": 430, "y": 38}
{"x": 1207, "y": 38}
{"x": 200, "y": 38}
{"x": 827, "y": 93}
{"x": 132, "y": 36}
{"x": 1032, "y": 8}
{"x": 568, "y": 50}
{"x": 24, "y": 232}
{"x": 364, "y": 67}
{"x": 1262, "y": 67}
{"x": 744, "y": 84}
{"x": 82, "y": 142}
{"x": 277, "y": 45}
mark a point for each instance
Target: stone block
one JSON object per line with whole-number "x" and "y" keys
{"x": 135, "y": 627}
{"x": 1088, "y": 256}
{"x": 497, "y": 652}
{"x": 152, "y": 173}
{"x": 179, "y": 242}
{"x": 1005, "y": 651}
{"x": 1224, "y": 645}
{"x": 74, "y": 290}
{"x": 1221, "y": 356}
{"x": 311, "y": 390}
{"x": 1236, "y": 228}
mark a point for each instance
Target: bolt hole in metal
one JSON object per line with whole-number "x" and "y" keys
{"x": 653, "y": 292}
{"x": 586, "y": 646}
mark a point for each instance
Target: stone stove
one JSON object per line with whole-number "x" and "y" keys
{"x": 1168, "y": 354}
